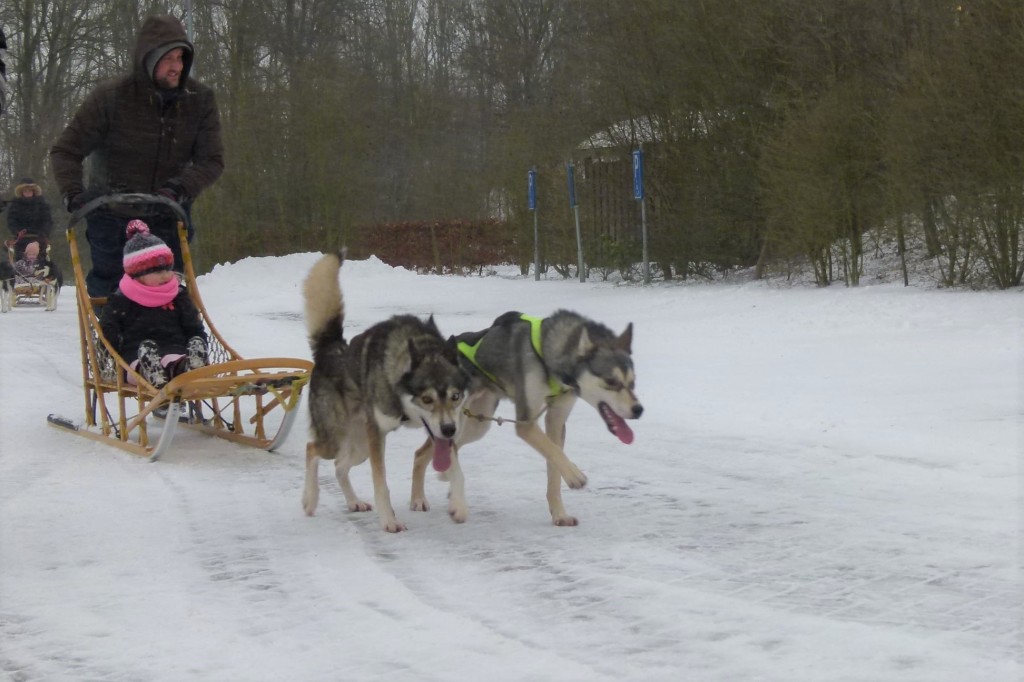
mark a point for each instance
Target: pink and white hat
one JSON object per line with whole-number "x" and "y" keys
{"x": 145, "y": 252}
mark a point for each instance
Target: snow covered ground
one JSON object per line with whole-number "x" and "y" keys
{"x": 825, "y": 485}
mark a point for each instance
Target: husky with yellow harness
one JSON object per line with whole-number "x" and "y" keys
{"x": 542, "y": 366}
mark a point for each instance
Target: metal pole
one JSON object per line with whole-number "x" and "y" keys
{"x": 638, "y": 194}
{"x": 536, "y": 249}
{"x": 579, "y": 244}
{"x": 531, "y": 202}
{"x": 643, "y": 229}
{"x": 571, "y": 173}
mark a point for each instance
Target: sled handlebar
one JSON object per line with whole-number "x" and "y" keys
{"x": 133, "y": 198}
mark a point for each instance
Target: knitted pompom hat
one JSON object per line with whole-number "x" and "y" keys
{"x": 145, "y": 253}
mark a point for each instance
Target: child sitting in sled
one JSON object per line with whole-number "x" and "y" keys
{"x": 150, "y": 320}
{"x": 30, "y": 265}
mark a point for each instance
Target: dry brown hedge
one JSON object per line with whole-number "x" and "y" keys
{"x": 439, "y": 246}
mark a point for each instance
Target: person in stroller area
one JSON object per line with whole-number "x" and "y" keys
{"x": 28, "y": 211}
{"x": 150, "y": 319}
{"x": 29, "y": 264}
{"x": 29, "y": 219}
{"x": 29, "y": 222}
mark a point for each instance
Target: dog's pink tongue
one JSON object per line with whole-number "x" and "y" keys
{"x": 442, "y": 454}
{"x": 618, "y": 426}
{"x": 623, "y": 431}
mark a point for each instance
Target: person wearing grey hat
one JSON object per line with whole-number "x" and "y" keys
{"x": 153, "y": 131}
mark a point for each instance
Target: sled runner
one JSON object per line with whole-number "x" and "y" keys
{"x": 249, "y": 401}
{"x": 38, "y": 288}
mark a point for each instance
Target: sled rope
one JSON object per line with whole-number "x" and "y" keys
{"x": 501, "y": 420}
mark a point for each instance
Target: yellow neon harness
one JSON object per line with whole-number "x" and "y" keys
{"x": 469, "y": 351}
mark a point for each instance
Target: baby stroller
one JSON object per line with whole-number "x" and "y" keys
{"x": 33, "y": 281}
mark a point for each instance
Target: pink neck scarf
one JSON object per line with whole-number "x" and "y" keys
{"x": 151, "y": 297}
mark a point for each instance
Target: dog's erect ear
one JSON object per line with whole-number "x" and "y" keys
{"x": 433, "y": 325}
{"x": 585, "y": 343}
{"x": 451, "y": 350}
{"x": 415, "y": 356}
{"x": 625, "y": 342}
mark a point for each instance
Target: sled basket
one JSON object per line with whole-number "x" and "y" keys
{"x": 249, "y": 401}
{"x": 20, "y": 289}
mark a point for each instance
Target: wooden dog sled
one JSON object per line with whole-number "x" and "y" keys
{"x": 19, "y": 289}
{"x": 249, "y": 401}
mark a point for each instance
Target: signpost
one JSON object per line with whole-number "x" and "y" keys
{"x": 638, "y": 194}
{"x": 576, "y": 211}
{"x": 531, "y": 200}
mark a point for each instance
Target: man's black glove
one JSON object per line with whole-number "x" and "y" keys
{"x": 173, "y": 191}
{"x": 74, "y": 201}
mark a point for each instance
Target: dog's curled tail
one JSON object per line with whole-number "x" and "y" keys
{"x": 325, "y": 307}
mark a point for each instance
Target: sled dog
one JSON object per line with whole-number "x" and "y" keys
{"x": 6, "y": 280}
{"x": 398, "y": 372}
{"x": 542, "y": 366}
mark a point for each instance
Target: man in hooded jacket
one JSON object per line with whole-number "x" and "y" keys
{"x": 153, "y": 131}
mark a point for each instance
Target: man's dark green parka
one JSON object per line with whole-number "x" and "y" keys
{"x": 139, "y": 138}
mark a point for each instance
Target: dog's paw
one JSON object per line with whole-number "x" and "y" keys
{"x": 458, "y": 514}
{"x": 565, "y": 520}
{"x": 420, "y": 505}
{"x": 360, "y": 506}
{"x": 309, "y": 503}
{"x": 393, "y": 526}
{"x": 574, "y": 478}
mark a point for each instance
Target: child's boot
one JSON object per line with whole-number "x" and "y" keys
{"x": 149, "y": 364}
{"x": 196, "y": 352}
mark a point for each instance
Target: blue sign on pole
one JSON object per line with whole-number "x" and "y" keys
{"x": 638, "y": 174}
{"x": 531, "y": 190}
{"x": 572, "y": 186}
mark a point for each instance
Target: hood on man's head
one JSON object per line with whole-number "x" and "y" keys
{"x": 159, "y": 35}
{"x": 156, "y": 54}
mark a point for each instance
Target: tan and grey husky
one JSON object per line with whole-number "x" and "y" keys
{"x": 542, "y": 366}
{"x": 399, "y": 372}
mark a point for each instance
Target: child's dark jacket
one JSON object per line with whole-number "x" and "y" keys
{"x": 126, "y": 324}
